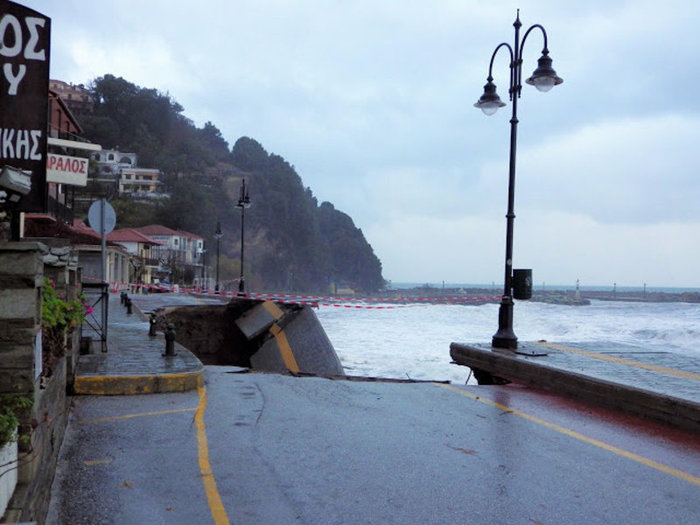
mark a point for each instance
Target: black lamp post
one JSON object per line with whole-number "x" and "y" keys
{"x": 204, "y": 268}
{"x": 243, "y": 203}
{"x": 543, "y": 78}
{"x": 218, "y": 234}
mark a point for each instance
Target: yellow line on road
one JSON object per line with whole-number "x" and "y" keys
{"x": 216, "y": 507}
{"x": 287, "y": 355}
{"x": 623, "y": 361}
{"x": 141, "y": 414}
{"x": 571, "y": 433}
{"x": 274, "y": 310}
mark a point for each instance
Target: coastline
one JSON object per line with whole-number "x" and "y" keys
{"x": 553, "y": 296}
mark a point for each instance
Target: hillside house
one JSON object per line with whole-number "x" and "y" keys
{"x": 143, "y": 265}
{"x": 178, "y": 251}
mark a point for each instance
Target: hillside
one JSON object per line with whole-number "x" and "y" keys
{"x": 292, "y": 242}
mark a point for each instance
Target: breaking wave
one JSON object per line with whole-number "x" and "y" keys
{"x": 413, "y": 342}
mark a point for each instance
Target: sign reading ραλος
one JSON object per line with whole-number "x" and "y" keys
{"x": 25, "y": 38}
{"x": 66, "y": 170}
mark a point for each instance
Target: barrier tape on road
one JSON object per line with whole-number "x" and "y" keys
{"x": 313, "y": 300}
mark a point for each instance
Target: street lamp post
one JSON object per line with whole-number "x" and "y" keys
{"x": 543, "y": 78}
{"x": 243, "y": 203}
{"x": 204, "y": 268}
{"x": 218, "y": 234}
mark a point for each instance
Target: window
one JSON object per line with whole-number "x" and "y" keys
{"x": 111, "y": 156}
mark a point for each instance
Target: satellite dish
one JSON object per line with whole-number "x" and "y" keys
{"x": 95, "y": 217}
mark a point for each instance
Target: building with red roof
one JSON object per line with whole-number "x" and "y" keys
{"x": 144, "y": 266}
{"x": 177, "y": 251}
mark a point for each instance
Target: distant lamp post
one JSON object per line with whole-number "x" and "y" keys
{"x": 218, "y": 234}
{"x": 204, "y": 269}
{"x": 243, "y": 203}
{"x": 543, "y": 78}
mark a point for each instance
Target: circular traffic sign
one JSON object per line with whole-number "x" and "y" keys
{"x": 95, "y": 217}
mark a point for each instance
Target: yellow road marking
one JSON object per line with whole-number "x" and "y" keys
{"x": 623, "y": 361}
{"x": 141, "y": 414}
{"x": 275, "y": 311}
{"x": 571, "y": 433}
{"x": 216, "y": 507}
{"x": 287, "y": 355}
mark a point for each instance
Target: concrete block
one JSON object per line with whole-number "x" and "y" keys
{"x": 17, "y": 382}
{"x": 20, "y": 304}
{"x": 16, "y": 358}
{"x": 300, "y": 342}
{"x": 313, "y": 350}
{"x": 21, "y": 332}
{"x": 269, "y": 358}
{"x": 21, "y": 259}
{"x": 258, "y": 319}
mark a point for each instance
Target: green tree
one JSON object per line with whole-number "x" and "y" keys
{"x": 353, "y": 259}
{"x": 291, "y": 241}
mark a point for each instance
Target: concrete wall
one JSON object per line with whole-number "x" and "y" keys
{"x": 291, "y": 341}
{"x": 21, "y": 279}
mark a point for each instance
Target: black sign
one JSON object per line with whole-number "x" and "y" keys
{"x": 25, "y": 39}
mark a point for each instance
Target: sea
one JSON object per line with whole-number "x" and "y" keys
{"x": 413, "y": 341}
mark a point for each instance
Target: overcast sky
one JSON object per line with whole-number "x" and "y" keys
{"x": 372, "y": 102}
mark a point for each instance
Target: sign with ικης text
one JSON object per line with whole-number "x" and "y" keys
{"x": 25, "y": 37}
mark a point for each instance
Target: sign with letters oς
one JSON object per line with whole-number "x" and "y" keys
{"x": 25, "y": 37}
{"x": 66, "y": 170}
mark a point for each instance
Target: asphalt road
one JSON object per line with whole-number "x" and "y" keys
{"x": 276, "y": 450}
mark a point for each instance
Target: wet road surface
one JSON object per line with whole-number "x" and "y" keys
{"x": 278, "y": 449}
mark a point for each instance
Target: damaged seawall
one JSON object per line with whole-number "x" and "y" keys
{"x": 263, "y": 335}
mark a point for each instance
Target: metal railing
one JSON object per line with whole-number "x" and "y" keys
{"x": 95, "y": 325}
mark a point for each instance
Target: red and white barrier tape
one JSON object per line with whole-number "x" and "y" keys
{"x": 328, "y": 301}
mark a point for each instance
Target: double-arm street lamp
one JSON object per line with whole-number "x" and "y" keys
{"x": 243, "y": 203}
{"x": 218, "y": 234}
{"x": 543, "y": 78}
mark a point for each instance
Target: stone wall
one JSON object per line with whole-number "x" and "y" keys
{"x": 21, "y": 279}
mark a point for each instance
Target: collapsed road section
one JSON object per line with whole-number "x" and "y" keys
{"x": 263, "y": 335}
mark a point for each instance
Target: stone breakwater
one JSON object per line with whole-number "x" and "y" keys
{"x": 571, "y": 297}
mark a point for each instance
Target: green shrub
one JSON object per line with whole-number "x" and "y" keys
{"x": 11, "y": 405}
{"x": 60, "y": 316}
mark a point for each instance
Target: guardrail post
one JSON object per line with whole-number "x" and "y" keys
{"x": 152, "y": 322}
{"x": 170, "y": 340}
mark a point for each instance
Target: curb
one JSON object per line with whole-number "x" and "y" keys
{"x": 138, "y": 384}
{"x": 96, "y": 377}
{"x": 660, "y": 407}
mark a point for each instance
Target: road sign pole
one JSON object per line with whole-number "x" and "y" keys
{"x": 104, "y": 273}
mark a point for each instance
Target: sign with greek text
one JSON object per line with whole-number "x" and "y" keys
{"x": 25, "y": 37}
{"x": 66, "y": 170}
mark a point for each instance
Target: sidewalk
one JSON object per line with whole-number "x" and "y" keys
{"x": 663, "y": 386}
{"x": 133, "y": 363}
